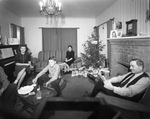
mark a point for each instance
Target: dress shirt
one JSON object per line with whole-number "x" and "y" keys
{"x": 54, "y": 72}
{"x": 132, "y": 90}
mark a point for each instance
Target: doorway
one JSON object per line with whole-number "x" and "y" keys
{"x": 103, "y": 38}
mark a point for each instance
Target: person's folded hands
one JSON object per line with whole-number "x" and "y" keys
{"x": 102, "y": 77}
{"x": 31, "y": 66}
{"x": 34, "y": 80}
{"x": 66, "y": 60}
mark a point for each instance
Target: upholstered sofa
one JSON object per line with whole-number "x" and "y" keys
{"x": 43, "y": 57}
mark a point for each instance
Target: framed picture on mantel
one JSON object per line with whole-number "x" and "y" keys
{"x": 131, "y": 27}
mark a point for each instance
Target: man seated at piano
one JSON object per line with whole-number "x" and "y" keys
{"x": 23, "y": 59}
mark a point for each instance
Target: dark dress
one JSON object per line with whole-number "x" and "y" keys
{"x": 70, "y": 55}
{"x": 22, "y": 59}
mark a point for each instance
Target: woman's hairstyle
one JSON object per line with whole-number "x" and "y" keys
{"x": 23, "y": 45}
{"x": 52, "y": 58}
{"x": 139, "y": 62}
{"x": 69, "y": 46}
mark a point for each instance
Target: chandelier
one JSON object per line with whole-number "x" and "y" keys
{"x": 51, "y": 9}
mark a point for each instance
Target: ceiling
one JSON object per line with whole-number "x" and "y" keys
{"x": 70, "y": 8}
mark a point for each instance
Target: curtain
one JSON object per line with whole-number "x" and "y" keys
{"x": 68, "y": 37}
{"x": 54, "y": 39}
{"x": 22, "y": 39}
{"x": 49, "y": 39}
{"x": 17, "y": 32}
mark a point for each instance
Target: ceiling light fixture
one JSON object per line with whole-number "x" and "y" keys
{"x": 51, "y": 9}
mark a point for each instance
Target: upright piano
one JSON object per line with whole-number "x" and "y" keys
{"x": 7, "y": 60}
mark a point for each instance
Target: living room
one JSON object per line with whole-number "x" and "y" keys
{"x": 122, "y": 10}
{"x": 119, "y": 9}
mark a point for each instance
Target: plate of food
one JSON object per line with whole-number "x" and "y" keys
{"x": 25, "y": 90}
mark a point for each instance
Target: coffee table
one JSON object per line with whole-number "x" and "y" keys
{"x": 31, "y": 101}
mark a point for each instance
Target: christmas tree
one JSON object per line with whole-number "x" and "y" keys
{"x": 92, "y": 49}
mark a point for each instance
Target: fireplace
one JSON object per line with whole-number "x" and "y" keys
{"x": 122, "y": 50}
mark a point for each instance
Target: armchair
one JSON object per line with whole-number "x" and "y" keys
{"x": 128, "y": 109}
{"x": 77, "y": 63}
{"x": 43, "y": 57}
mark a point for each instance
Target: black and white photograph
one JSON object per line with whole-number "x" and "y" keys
{"x": 113, "y": 34}
{"x": 75, "y": 59}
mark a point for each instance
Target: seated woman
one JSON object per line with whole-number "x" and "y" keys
{"x": 69, "y": 56}
{"x": 23, "y": 59}
{"x": 53, "y": 78}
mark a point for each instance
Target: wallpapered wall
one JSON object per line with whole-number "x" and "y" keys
{"x": 125, "y": 10}
{"x": 6, "y": 17}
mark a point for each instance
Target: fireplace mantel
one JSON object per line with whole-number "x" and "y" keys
{"x": 131, "y": 37}
{"x": 122, "y": 50}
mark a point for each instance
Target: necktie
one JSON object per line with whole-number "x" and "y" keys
{"x": 126, "y": 81}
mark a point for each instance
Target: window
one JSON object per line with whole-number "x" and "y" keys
{"x": 17, "y": 32}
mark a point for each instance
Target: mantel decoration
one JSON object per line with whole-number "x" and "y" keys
{"x": 131, "y": 27}
{"x": 51, "y": 9}
{"x": 116, "y": 31}
{"x": 92, "y": 49}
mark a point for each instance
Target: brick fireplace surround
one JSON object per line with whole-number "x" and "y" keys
{"x": 122, "y": 50}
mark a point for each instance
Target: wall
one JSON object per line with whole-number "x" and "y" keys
{"x": 33, "y": 34}
{"x": 122, "y": 50}
{"x": 6, "y": 17}
{"x": 125, "y": 10}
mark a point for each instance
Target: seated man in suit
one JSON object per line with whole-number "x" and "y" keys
{"x": 8, "y": 90}
{"x": 130, "y": 86}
